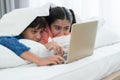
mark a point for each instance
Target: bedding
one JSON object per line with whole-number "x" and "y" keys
{"x": 103, "y": 62}
{"x": 9, "y": 59}
{"x": 106, "y": 36}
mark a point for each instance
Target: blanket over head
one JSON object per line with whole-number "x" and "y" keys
{"x": 14, "y": 22}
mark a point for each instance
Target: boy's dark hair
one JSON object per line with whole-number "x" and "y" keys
{"x": 39, "y": 22}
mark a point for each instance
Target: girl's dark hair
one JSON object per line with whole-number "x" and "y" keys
{"x": 39, "y": 22}
{"x": 73, "y": 16}
{"x": 60, "y": 13}
{"x": 74, "y": 20}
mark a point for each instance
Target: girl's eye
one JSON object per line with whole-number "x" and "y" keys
{"x": 57, "y": 27}
{"x": 67, "y": 28}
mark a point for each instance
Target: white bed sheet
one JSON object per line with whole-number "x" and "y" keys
{"x": 104, "y": 61}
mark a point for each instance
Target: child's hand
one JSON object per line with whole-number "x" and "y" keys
{"x": 51, "y": 60}
{"x": 58, "y": 50}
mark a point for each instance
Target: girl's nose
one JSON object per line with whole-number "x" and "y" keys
{"x": 61, "y": 33}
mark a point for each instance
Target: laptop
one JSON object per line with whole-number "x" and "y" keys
{"x": 82, "y": 41}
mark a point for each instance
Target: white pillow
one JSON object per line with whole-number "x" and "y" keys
{"x": 36, "y": 48}
{"x": 63, "y": 41}
{"x": 9, "y": 59}
{"x": 105, "y": 37}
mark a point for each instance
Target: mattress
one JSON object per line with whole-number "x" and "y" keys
{"x": 103, "y": 62}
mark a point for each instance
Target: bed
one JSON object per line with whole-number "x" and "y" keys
{"x": 105, "y": 60}
{"x": 102, "y": 63}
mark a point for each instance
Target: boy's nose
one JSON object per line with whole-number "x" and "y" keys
{"x": 38, "y": 36}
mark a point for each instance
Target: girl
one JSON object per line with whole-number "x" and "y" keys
{"x": 59, "y": 24}
{"x": 32, "y": 32}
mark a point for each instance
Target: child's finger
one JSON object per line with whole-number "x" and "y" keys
{"x": 50, "y": 47}
{"x": 61, "y": 58}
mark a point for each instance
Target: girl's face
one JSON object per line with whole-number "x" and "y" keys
{"x": 32, "y": 34}
{"x": 60, "y": 28}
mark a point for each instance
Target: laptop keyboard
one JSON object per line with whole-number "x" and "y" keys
{"x": 65, "y": 56}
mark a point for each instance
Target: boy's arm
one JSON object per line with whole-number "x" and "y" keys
{"x": 22, "y": 51}
{"x": 54, "y": 59}
{"x": 14, "y": 45}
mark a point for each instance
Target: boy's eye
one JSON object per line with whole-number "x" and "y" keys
{"x": 41, "y": 31}
{"x": 34, "y": 31}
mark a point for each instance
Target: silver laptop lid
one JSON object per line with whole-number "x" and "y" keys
{"x": 82, "y": 40}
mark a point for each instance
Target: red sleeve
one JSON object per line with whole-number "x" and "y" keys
{"x": 45, "y": 35}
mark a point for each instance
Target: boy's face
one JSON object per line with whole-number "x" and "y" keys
{"x": 32, "y": 33}
{"x": 60, "y": 28}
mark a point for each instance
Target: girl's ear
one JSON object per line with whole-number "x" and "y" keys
{"x": 73, "y": 16}
{"x": 50, "y": 9}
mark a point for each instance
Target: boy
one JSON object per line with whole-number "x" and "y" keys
{"x": 32, "y": 32}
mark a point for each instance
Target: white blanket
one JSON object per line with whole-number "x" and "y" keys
{"x": 14, "y": 22}
{"x": 104, "y": 61}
